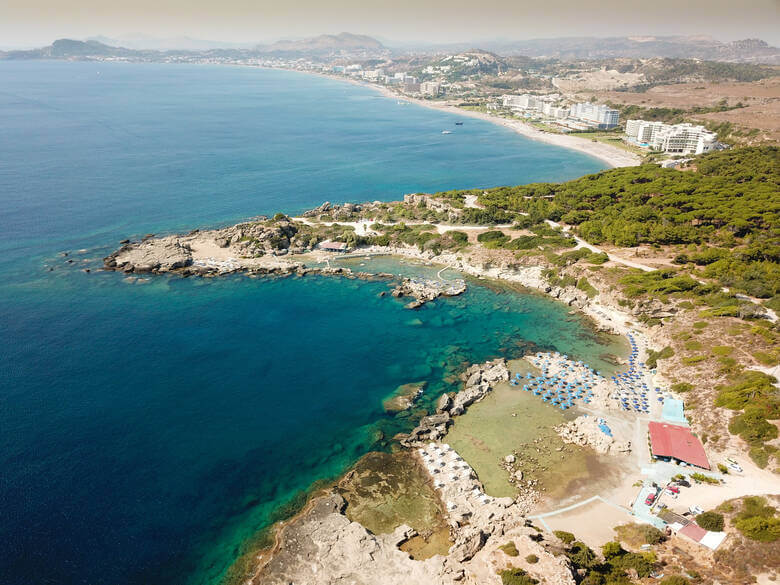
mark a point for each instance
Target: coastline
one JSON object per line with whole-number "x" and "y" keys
{"x": 612, "y": 156}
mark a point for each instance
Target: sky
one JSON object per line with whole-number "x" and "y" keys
{"x": 27, "y": 23}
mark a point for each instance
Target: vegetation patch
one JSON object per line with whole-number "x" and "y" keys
{"x": 516, "y": 577}
{"x": 653, "y": 356}
{"x": 712, "y": 521}
{"x": 564, "y": 537}
{"x": 682, "y": 387}
{"x": 509, "y": 549}
{"x": 701, "y": 478}
{"x": 758, "y": 520}
{"x": 639, "y": 534}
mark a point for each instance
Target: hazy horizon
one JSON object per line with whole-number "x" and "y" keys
{"x": 402, "y": 22}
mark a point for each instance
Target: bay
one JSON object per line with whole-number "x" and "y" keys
{"x": 149, "y": 429}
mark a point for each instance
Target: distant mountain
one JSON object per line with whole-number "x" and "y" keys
{"x": 326, "y": 45}
{"x": 146, "y": 43}
{"x": 64, "y": 48}
{"x": 748, "y": 50}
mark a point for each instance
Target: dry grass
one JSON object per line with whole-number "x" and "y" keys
{"x": 761, "y": 98}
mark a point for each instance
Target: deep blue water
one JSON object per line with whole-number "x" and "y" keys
{"x": 147, "y": 430}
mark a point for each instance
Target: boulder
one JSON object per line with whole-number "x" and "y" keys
{"x": 444, "y": 403}
{"x": 469, "y": 543}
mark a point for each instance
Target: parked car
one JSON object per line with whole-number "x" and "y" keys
{"x": 683, "y": 483}
{"x": 696, "y": 510}
{"x": 733, "y": 465}
{"x": 650, "y": 499}
{"x": 673, "y": 489}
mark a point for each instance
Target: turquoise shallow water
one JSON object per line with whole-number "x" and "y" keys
{"x": 147, "y": 430}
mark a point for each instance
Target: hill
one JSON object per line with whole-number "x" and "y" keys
{"x": 576, "y": 48}
{"x": 64, "y": 48}
{"x": 326, "y": 45}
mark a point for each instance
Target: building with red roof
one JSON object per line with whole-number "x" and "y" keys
{"x": 676, "y": 442}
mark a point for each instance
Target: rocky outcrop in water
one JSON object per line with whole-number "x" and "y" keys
{"x": 478, "y": 380}
{"x": 150, "y": 255}
{"x": 424, "y": 291}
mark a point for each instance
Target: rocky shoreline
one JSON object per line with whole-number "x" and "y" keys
{"x": 322, "y": 545}
{"x": 478, "y": 381}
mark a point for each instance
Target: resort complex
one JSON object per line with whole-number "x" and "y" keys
{"x": 671, "y": 139}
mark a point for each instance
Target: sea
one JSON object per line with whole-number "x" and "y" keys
{"x": 151, "y": 429}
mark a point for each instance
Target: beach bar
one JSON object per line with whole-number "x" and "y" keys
{"x": 675, "y": 442}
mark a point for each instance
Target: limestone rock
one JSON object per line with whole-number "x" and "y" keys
{"x": 444, "y": 403}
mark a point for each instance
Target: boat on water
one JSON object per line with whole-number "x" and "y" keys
{"x": 446, "y": 131}
{"x": 459, "y": 123}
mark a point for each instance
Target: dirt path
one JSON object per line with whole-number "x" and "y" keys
{"x": 596, "y": 250}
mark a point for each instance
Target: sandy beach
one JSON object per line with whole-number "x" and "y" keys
{"x": 612, "y": 156}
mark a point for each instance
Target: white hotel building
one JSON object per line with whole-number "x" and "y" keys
{"x": 604, "y": 117}
{"x": 672, "y": 139}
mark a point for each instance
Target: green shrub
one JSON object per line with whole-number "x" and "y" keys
{"x": 723, "y": 469}
{"x": 722, "y": 350}
{"x": 682, "y": 387}
{"x": 642, "y": 563}
{"x": 612, "y": 549}
{"x": 492, "y": 239}
{"x": 752, "y": 426}
{"x": 710, "y": 521}
{"x": 532, "y": 559}
{"x": 581, "y": 555}
{"x": 760, "y": 528}
{"x": 644, "y": 533}
{"x": 696, "y": 359}
{"x": 599, "y": 258}
{"x": 459, "y": 237}
{"x": 756, "y": 388}
{"x": 759, "y": 454}
{"x": 564, "y": 537}
{"x": 693, "y": 345}
{"x": 653, "y": 356}
{"x": 675, "y": 580}
{"x": 516, "y": 577}
{"x": 510, "y": 549}
{"x": 764, "y": 358}
{"x": 587, "y": 287}
{"x": 701, "y": 478}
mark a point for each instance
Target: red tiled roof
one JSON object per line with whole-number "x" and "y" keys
{"x": 693, "y": 531}
{"x": 678, "y": 442}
